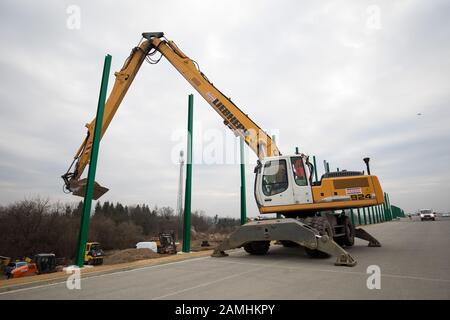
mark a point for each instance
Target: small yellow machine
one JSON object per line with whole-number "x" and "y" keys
{"x": 94, "y": 254}
{"x": 165, "y": 242}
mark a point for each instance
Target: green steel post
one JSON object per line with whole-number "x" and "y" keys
{"x": 377, "y": 218}
{"x": 369, "y": 211}
{"x": 365, "y": 218}
{"x": 389, "y": 207}
{"x": 243, "y": 189}
{"x": 352, "y": 217}
{"x": 315, "y": 168}
{"x": 386, "y": 211}
{"x": 186, "y": 247}
{"x": 384, "y": 208}
{"x": 359, "y": 217}
{"x": 85, "y": 217}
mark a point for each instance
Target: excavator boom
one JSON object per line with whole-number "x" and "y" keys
{"x": 258, "y": 140}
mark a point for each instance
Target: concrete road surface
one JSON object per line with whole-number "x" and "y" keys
{"x": 414, "y": 262}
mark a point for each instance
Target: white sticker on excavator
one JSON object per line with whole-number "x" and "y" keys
{"x": 353, "y": 191}
{"x": 210, "y": 96}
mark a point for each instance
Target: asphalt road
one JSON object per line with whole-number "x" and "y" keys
{"x": 414, "y": 262}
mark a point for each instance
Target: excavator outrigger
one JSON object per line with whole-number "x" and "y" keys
{"x": 283, "y": 183}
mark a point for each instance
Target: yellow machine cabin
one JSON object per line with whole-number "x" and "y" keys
{"x": 284, "y": 185}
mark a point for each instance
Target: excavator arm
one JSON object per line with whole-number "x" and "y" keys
{"x": 259, "y": 141}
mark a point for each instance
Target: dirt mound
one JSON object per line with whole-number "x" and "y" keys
{"x": 209, "y": 236}
{"x": 129, "y": 255}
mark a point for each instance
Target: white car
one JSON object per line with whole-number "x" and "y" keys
{"x": 446, "y": 215}
{"x": 427, "y": 214}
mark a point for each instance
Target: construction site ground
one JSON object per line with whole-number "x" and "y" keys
{"x": 414, "y": 262}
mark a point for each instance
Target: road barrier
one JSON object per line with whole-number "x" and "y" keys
{"x": 376, "y": 214}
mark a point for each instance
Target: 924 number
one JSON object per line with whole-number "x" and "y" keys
{"x": 360, "y": 196}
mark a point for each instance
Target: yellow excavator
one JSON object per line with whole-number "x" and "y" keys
{"x": 314, "y": 212}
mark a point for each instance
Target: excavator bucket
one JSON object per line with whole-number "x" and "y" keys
{"x": 284, "y": 229}
{"x": 78, "y": 188}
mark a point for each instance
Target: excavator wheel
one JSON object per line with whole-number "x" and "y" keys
{"x": 322, "y": 225}
{"x": 349, "y": 238}
{"x": 257, "y": 247}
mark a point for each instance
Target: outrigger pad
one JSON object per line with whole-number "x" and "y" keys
{"x": 327, "y": 245}
{"x": 79, "y": 189}
{"x": 219, "y": 254}
{"x": 345, "y": 260}
{"x": 363, "y": 234}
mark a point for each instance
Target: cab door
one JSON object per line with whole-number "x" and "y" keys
{"x": 301, "y": 189}
{"x": 274, "y": 187}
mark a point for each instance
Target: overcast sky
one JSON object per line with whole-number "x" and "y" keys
{"x": 341, "y": 80}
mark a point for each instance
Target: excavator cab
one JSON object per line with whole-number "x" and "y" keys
{"x": 282, "y": 181}
{"x": 284, "y": 185}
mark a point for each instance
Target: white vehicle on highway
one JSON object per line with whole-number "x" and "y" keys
{"x": 427, "y": 214}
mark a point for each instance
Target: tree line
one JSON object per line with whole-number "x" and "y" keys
{"x": 36, "y": 226}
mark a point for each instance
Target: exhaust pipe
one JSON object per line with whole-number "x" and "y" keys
{"x": 366, "y": 160}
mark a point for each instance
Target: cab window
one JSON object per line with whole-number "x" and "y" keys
{"x": 299, "y": 171}
{"x": 275, "y": 178}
